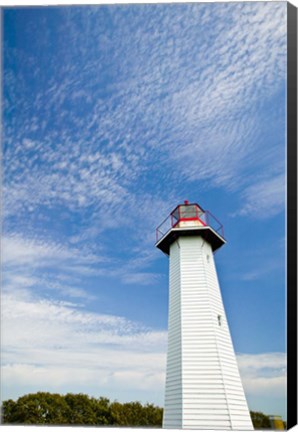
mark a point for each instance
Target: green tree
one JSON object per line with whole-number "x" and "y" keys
{"x": 153, "y": 415}
{"x": 39, "y": 408}
{"x": 103, "y": 412}
{"x": 82, "y": 409}
{"x": 260, "y": 420}
{"x": 135, "y": 414}
{"x": 8, "y": 411}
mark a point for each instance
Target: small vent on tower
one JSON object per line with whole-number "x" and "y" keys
{"x": 219, "y": 319}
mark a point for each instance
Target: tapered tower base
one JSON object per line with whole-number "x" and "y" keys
{"x": 203, "y": 385}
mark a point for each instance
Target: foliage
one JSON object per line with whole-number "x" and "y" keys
{"x": 260, "y": 420}
{"x": 40, "y": 408}
{"x": 134, "y": 414}
{"x": 78, "y": 409}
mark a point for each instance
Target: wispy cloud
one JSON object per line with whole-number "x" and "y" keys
{"x": 178, "y": 103}
{"x": 263, "y": 374}
{"x": 129, "y": 111}
{"x": 264, "y": 199}
{"x": 44, "y": 266}
{"x": 55, "y": 345}
{"x": 49, "y": 337}
{"x": 63, "y": 346}
{"x": 23, "y": 251}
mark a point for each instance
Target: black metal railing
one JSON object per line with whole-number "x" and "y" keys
{"x": 206, "y": 217}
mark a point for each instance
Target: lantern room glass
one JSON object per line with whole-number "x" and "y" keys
{"x": 188, "y": 211}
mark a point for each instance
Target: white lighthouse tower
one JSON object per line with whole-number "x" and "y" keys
{"x": 203, "y": 385}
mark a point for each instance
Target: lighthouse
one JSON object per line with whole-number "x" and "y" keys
{"x": 203, "y": 385}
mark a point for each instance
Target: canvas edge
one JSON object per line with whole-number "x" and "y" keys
{"x": 291, "y": 215}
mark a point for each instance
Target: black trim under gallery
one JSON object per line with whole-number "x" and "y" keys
{"x": 291, "y": 216}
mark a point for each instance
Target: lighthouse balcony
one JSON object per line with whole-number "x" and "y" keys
{"x": 187, "y": 220}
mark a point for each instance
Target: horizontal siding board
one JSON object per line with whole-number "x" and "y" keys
{"x": 200, "y": 382}
{"x": 199, "y": 348}
{"x": 172, "y": 424}
{"x": 204, "y": 374}
{"x": 173, "y": 399}
{"x": 240, "y": 417}
{"x": 188, "y": 416}
{"x": 204, "y": 391}
{"x": 204, "y": 362}
{"x": 173, "y": 386}
{"x": 203, "y": 387}
{"x": 208, "y": 413}
{"x": 207, "y": 408}
{"x": 173, "y": 368}
{"x": 234, "y": 403}
{"x": 173, "y": 364}
{"x": 205, "y": 424}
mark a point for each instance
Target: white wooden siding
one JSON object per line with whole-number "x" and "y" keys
{"x": 203, "y": 385}
{"x": 172, "y": 417}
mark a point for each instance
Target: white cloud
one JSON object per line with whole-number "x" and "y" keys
{"x": 263, "y": 374}
{"x": 181, "y": 88}
{"x": 28, "y": 143}
{"x": 19, "y": 250}
{"x": 51, "y": 268}
{"x": 264, "y": 199}
{"x": 215, "y": 114}
{"x": 182, "y": 107}
{"x": 255, "y": 362}
{"x": 29, "y": 263}
{"x": 60, "y": 346}
{"x": 141, "y": 278}
{"x": 54, "y": 345}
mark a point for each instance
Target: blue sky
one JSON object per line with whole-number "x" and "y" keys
{"x": 112, "y": 116}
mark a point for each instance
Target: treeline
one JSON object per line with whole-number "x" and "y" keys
{"x": 260, "y": 420}
{"x": 80, "y": 409}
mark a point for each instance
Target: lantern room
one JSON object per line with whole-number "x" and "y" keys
{"x": 188, "y": 220}
{"x": 187, "y": 215}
